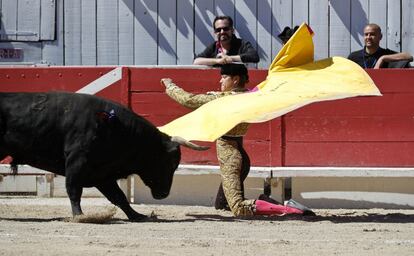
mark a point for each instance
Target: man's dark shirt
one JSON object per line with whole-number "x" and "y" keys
{"x": 238, "y": 47}
{"x": 366, "y": 60}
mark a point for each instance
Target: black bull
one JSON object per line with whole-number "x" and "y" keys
{"x": 90, "y": 140}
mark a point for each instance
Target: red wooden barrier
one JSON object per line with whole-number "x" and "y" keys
{"x": 70, "y": 79}
{"x": 362, "y": 131}
{"x": 149, "y": 99}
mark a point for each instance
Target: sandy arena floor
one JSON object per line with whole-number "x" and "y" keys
{"x": 38, "y": 226}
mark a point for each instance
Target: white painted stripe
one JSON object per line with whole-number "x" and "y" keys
{"x": 279, "y": 172}
{"x": 102, "y": 82}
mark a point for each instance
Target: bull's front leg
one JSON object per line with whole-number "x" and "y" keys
{"x": 115, "y": 195}
{"x": 74, "y": 165}
{"x": 74, "y": 191}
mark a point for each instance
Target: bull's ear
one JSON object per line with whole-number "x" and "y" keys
{"x": 183, "y": 142}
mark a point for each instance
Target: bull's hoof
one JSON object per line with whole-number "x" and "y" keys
{"x": 138, "y": 217}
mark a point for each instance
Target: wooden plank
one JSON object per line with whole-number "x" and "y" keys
{"x": 52, "y": 51}
{"x": 203, "y": 30}
{"x": 282, "y": 17}
{"x": 50, "y": 78}
{"x": 189, "y": 156}
{"x": 378, "y": 14}
{"x": 22, "y": 184}
{"x": 369, "y": 154}
{"x": 44, "y": 185}
{"x": 88, "y": 33}
{"x": 47, "y": 19}
{"x": 157, "y": 120}
{"x": 145, "y": 32}
{"x": 167, "y": 32}
{"x": 190, "y": 169}
{"x": 225, "y": 7}
{"x": 72, "y": 30}
{"x": 106, "y": 32}
{"x": 365, "y": 128}
{"x": 185, "y": 32}
{"x": 300, "y": 12}
{"x": 9, "y": 19}
{"x": 393, "y": 80}
{"x": 264, "y": 33}
{"x": 338, "y": 172}
{"x": 195, "y": 79}
{"x": 245, "y": 19}
{"x": 148, "y": 79}
{"x": 319, "y": 22}
{"x": 259, "y": 131}
{"x": 277, "y": 142}
{"x": 258, "y": 151}
{"x": 339, "y": 30}
{"x": 149, "y": 103}
{"x": 387, "y": 105}
{"x": 28, "y": 20}
{"x": 245, "y": 22}
{"x": 260, "y": 171}
{"x": 359, "y": 19}
{"x": 259, "y": 155}
{"x": 393, "y": 34}
{"x": 407, "y": 19}
{"x": 126, "y": 32}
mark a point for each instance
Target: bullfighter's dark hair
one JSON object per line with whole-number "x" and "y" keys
{"x": 223, "y": 17}
{"x": 235, "y": 69}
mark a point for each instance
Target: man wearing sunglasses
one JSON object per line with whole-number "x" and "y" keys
{"x": 228, "y": 48}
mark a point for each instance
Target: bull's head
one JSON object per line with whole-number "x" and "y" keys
{"x": 159, "y": 180}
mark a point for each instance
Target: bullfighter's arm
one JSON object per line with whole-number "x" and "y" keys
{"x": 187, "y": 99}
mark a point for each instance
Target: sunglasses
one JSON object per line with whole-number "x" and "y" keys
{"x": 225, "y": 29}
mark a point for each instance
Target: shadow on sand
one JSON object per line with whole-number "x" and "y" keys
{"x": 351, "y": 217}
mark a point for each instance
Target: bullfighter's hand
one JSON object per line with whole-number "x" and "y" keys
{"x": 167, "y": 82}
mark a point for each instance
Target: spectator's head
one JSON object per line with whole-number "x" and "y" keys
{"x": 287, "y": 33}
{"x": 223, "y": 28}
{"x": 372, "y": 36}
{"x": 233, "y": 76}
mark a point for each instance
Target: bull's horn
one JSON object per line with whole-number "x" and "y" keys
{"x": 188, "y": 144}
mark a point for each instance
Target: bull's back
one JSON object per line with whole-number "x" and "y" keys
{"x": 34, "y": 126}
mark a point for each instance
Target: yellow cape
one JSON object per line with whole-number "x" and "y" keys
{"x": 293, "y": 80}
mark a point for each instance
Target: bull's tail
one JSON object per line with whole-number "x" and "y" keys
{"x": 13, "y": 168}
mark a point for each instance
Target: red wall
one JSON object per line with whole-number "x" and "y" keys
{"x": 149, "y": 99}
{"x": 362, "y": 131}
{"x": 71, "y": 79}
